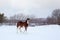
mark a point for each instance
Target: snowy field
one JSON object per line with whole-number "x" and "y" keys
{"x": 46, "y": 32}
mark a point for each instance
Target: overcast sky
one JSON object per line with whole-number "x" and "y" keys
{"x": 39, "y": 8}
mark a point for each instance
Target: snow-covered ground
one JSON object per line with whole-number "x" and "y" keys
{"x": 46, "y": 32}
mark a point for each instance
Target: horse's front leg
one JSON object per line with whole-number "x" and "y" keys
{"x": 25, "y": 28}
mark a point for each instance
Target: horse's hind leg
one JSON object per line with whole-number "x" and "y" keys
{"x": 17, "y": 29}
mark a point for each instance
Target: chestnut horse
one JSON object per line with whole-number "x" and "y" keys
{"x": 21, "y": 24}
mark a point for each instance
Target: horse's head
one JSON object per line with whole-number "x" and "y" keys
{"x": 28, "y": 20}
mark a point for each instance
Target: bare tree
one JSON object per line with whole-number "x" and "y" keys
{"x": 56, "y": 15}
{"x": 22, "y": 17}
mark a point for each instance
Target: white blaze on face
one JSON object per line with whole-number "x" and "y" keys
{"x": 28, "y": 21}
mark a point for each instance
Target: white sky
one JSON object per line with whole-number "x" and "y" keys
{"x": 39, "y": 8}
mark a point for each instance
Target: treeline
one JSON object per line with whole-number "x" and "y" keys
{"x": 14, "y": 19}
{"x": 52, "y": 19}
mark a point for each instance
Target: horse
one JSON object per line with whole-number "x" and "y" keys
{"x": 21, "y": 24}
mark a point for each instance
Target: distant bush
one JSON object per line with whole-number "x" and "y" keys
{"x": 2, "y": 17}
